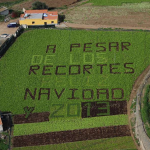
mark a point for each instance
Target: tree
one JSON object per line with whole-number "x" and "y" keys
{"x": 39, "y": 5}
{"x": 16, "y": 14}
{"x": 3, "y": 145}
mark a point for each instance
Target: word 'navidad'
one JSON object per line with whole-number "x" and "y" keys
{"x": 90, "y": 92}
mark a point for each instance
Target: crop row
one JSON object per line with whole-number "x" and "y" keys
{"x": 69, "y": 124}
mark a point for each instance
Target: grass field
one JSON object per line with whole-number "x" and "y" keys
{"x": 15, "y": 66}
{"x": 73, "y": 124}
{"x": 121, "y": 68}
{"x": 11, "y": 2}
{"x": 118, "y": 143}
{"x": 115, "y": 2}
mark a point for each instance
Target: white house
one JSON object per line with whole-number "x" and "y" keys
{"x": 1, "y": 125}
{"x": 4, "y": 11}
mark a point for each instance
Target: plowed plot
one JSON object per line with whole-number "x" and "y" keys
{"x": 71, "y": 136}
{"x": 121, "y": 16}
{"x": 4, "y": 1}
{"x": 49, "y": 3}
{"x": 35, "y": 117}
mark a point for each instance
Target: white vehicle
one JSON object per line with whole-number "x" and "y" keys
{"x": 4, "y": 35}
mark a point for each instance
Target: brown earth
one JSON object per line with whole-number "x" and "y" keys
{"x": 71, "y": 136}
{"x": 33, "y": 117}
{"x": 5, "y": 30}
{"x": 107, "y": 17}
{"x": 49, "y": 3}
{"x": 4, "y": 1}
{"x": 135, "y": 87}
{"x": 116, "y": 108}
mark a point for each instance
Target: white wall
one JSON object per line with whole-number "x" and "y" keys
{"x": 1, "y": 128}
{"x": 4, "y": 13}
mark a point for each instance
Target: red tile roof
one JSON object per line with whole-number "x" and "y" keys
{"x": 22, "y": 15}
{"x": 52, "y": 12}
{"x": 49, "y": 13}
{"x": 0, "y": 121}
{"x": 36, "y": 11}
{"x": 50, "y": 18}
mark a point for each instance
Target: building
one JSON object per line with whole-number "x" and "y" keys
{"x": 1, "y": 125}
{"x": 38, "y": 18}
{"x": 4, "y": 11}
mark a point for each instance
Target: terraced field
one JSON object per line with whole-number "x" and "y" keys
{"x": 82, "y": 78}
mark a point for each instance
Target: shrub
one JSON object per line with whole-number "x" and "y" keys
{"x": 3, "y": 146}
{"x": 2, "y": 18}
{"x": 146, "y": 106}
{"x": 39, "y": 5}
{"x": 16, "y": 14}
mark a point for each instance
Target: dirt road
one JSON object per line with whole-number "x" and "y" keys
{"x": 4, "y": 29}
{"x": 82, "y": 26}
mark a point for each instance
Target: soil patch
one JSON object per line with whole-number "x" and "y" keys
{"x": 135, "y": 87}
{"x": 4, "y": 1}
{"x": 71, "y": 136}
{"x": 49, "y": 3}
{"x": 115, "y": 108}
{"x": 33, "y": 117}
{"x": 108, "y": 16}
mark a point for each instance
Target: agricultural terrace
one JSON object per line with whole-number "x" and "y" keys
{"x": 115, "y": 2}
{"x": 69, "y": 73}
{"x": 109, "y": 144}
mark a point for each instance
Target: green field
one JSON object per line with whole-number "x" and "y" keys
{"x": 114, "y": 2}
{"x": 73, "y": 124}
{"x": 11, "y": 3}
{"x": 119, "y": 143}
{"x": 15, "y": 66}
{"x": 121, "y": 67}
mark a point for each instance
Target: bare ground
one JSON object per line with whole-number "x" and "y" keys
{"x": 32, "y": 118}
{"x": 71, "y": 136}
{"x": 49, "y": 3}
{"x": 132, "y": 96}
{"x": 4, "y": 1}
{"x": 108, "y": 16}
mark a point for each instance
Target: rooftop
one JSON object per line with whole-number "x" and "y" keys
{"x": 45, "y": 16}
{"x": 3, "y": 9}
{"x": 36, "y": 11}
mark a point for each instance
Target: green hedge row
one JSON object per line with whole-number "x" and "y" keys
{"x": 9, "y": 4}
{"x": 2, "y": 18}
{"x": 145, "y": 111}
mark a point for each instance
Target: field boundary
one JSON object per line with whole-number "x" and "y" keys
{"x": 71, "y": 136}
{"x": 140, "y": 130}
{"x": 33, "y": 118}
{"x": 82, "y": 26}
{"x": 5, "y": 46}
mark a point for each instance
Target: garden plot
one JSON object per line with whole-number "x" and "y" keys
{"x": 127, "y": 15}
{"x": 82, "y": 79}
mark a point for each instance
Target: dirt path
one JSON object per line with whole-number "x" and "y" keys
{"x": 135, "y": 87}
{"x": 71, "y": 136}
{"x": 5, "y": 30}
{"x": 82, "y": 26}
{"x": 125, "y": 16}
{"x": 49, "y": 3}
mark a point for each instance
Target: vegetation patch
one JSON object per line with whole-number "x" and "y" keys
{"x": 108, "y": 143}
{"x": 145, "y": 110}
{"x": 115, "y": 2}
{"x": 71, "y": 136}
{"x": 9, "y": 4}
{"x": 58, "y": 70}
{"x": 73, "y": 124}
